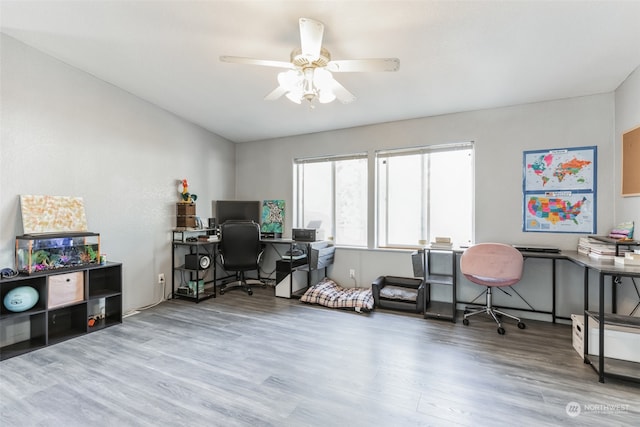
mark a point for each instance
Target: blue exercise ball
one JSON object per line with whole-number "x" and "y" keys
{"x": 21, "y": 298}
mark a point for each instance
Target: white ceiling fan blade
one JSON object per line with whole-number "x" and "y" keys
{"x": 252, "y": 61}
{"x": 356, "y": 65}
{"x": 275, "y": 94}
{"x": 311, "y": 38}
{"x": 341, "y": 92}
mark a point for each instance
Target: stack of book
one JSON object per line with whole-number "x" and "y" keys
{"x": 441, "y": 243}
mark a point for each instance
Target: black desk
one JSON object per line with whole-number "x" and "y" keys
{"x": 551, "y": 256}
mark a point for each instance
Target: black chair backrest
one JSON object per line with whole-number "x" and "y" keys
{"x": 240, "y": 245}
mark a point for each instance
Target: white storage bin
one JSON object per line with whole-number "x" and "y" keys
{"x": 619, "y": 342}
{"x": 65, "y": 289}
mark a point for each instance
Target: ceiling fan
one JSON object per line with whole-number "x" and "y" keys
{"x": 309, "y": 72}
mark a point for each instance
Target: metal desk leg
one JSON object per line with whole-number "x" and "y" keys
{"x": 553, "y": 290}
{"x": 633, "y": 280}
{"x": 585, "y": 336}
{"x": 615, "y": 281}
{"x": 601, "y": 333}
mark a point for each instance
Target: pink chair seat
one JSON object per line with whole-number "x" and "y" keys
{"x": 492, "y": 264}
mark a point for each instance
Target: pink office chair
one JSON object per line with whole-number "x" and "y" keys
{"x": 492, "y": 265}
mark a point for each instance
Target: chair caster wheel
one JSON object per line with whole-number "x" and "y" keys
{"x": 501, "y": 331}
{"x": 521, "y": 325}
{"x": 465, "y": 322}
{"x": 249, "y": 292}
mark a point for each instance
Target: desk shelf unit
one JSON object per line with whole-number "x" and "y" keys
{"x": 616, "y": 368}
{"x": 440, "y": 309}
{"x": 195, "y": 282}
{"x": 605, "y": 366}
{"x": 95, "y": 304}
{"x": 618, "y": 243}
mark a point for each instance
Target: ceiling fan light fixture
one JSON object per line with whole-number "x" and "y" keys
{"x": 290, "y": 79}
{"x": 322, "y": 79}
{"x": 323, "y": 82}
{"x": 307, "y": 84}
{"x": 325, "y": 97}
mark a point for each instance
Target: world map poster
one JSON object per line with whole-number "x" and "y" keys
{"x": 559, "y": 190}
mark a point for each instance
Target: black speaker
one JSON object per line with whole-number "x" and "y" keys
{"x": 196, "y": 262}
{"x": 212, "y": 227}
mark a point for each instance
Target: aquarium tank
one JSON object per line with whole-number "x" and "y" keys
{"x": 56, "y": 251}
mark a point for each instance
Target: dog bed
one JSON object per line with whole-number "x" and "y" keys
{"x": 329, "y": 294}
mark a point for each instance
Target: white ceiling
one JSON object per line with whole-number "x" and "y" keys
{"x": 454, "y": 56}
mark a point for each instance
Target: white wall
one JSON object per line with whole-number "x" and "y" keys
{"x": 501, "y": 135}
{"x": 64, "y": 132}
{"x": 626, "y": 208}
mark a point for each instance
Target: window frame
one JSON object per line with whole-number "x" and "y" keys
{"x": 298, "y": 196}
{"x": 426, "y": 194}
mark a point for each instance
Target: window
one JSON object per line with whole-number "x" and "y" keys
{"x": 333, "y": 190}
{"x": 423, "y": 193}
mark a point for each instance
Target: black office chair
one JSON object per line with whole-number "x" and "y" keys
{"x": 240, "y": 251}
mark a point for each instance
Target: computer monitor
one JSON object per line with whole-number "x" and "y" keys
{"x": 238, "y": 210}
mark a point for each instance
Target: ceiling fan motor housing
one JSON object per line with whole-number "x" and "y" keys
{"x": 300, "y": 60}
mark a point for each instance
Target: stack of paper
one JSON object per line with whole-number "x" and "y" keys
{"x": 584, "y": 245}
{"x": 597, "y": 249}
{"x": 603, "y": 252}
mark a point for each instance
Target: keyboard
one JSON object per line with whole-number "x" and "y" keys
{"x": 537, "y": 248}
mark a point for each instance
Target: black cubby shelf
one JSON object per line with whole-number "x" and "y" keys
{"x": 67, "y": 301}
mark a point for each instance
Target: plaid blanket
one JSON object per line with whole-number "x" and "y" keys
{"x": 329, "y": 294}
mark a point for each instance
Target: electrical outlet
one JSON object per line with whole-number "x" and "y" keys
{"x": 352, "y": 273}
{"x": 160, "y": 278}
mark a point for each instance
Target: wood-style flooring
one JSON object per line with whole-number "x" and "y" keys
{"x": 258, "y": 360}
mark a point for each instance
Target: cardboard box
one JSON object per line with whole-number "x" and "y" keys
{"x": 65, "y": 289}
{"x": 619, "y": 342}
{"x": 186, "y": 209}
{"x": 186, "y": 221}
